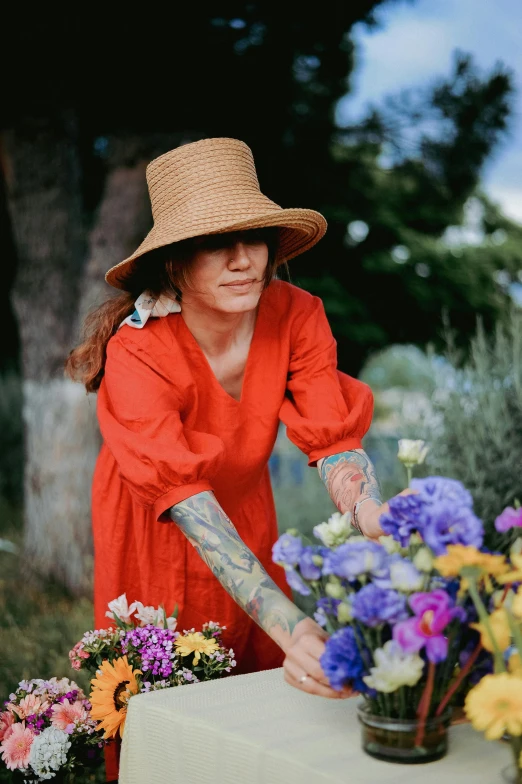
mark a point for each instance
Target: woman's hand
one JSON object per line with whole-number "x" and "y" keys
{"x": 307, "y": 645}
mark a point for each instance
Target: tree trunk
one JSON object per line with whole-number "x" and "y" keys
{"x": 54, "y": 288}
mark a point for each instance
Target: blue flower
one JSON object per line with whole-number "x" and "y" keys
{"x": 353, "y": 559}
{"x": 296, "y": 582}
{"x": 320, "y": 617}
{"x": 444, "y": 523}
{"x": 306, "y": 565}
{"x": 433, "y": 489}
{"x": 287, "y": 550}
{"x": 402, "y": 519}
{"x": 375, "y": 606}
{"x": 341, "y": 661}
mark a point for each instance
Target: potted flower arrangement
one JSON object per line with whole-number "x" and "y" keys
{"x": 47, "y": 731}
{"x": 50, "y": 729}
{"x": 145, "y": 653}
{"x": 403, "y": 629}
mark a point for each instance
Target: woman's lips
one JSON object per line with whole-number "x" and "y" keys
{"x": 242, "y": 285}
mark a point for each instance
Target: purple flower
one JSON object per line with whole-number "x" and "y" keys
{"x": 287, "y": 550}
{"x": 296, "y": 582}
{"x": 341, "y": 661}
{"x": 439, "y": 488}
{"x": 509, "y": 518}
{"x": 402, "y": 519}
{"x": 433, "y": 612}
{"x": 444, "y": 523}
{"x": 155, "y": 647}
{"x": 440, "y": 510}
{"x": 353, "y": 559}
{"x": 374, "y": 606}
{"x": 306, "y": 565}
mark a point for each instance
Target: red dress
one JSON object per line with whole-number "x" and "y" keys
{"x": 170, "y": 431}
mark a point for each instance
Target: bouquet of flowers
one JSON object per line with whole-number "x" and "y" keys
{"x": 403, "y": 629}
{"x": 494, "y": 705}
{"x": 46, "y": 727}
{"x": 145, "y": 653}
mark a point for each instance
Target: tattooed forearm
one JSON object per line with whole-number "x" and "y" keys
{"x": 217, "y": 542}
{"x": 349, "y": 477}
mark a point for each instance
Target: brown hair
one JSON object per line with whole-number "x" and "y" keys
{"x": 165, "y": 270}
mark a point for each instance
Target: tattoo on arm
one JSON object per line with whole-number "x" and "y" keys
{"x": 217, "y": 542}
{"x": 349, "y": 477}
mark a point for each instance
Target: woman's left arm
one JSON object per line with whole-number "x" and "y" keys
{"x": 350, "y": 479}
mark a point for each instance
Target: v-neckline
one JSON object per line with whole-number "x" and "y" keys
{"x": 248, "y": 362}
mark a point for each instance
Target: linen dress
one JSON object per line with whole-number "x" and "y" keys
{"x": 170, "y": 430}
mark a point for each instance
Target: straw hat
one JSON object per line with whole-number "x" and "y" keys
{"x": 211, "y": 187}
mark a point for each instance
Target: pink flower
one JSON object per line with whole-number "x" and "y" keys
{"x": 17, "y": 746}
{"x": 510, "y": 518}
{"x": 77, "y": 655}
{"x": 28, "y": 706}
{"x": 6, "y": 722}
{"x": 433, "y": 612}
{"x": 66, "y": 713}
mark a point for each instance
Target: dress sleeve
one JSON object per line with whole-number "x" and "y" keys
{"x": 161, "y": 461}
{"x": 325, "y": 411}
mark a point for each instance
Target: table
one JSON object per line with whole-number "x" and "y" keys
{"x": 256, "y": 729}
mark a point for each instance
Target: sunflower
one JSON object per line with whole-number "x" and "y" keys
{"x": 111, "y": 689}
{"x": 494, "y": 706}
{"x": 197, "y": 644}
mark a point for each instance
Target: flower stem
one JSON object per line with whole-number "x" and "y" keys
{"x": 484, "y": 618}
{"x": 458, "y": 680}
{"x": 409, "y": 474}
{"x": 424, "y": 704}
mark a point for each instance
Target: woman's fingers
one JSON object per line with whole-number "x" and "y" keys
{"x": 293, "y": 673}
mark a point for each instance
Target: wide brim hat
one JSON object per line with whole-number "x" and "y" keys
{"x": 211, "y": 187}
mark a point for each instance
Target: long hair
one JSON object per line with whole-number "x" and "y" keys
{"x": 166, "y": 270}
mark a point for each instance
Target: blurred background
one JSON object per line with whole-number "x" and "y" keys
{"x": 399, "y": 121}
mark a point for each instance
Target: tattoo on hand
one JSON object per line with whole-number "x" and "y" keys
{"x": 217, "y": 542}
{"x": 350, "y": 477}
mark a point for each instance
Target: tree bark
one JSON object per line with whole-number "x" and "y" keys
{"x": 58, "y": 280}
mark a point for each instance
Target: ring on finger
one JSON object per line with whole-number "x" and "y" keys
{"x": 303, "y": 678}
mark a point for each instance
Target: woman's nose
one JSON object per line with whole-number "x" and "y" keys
{"x": 239, "y": 258}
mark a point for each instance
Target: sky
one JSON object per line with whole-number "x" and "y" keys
{"x": 414, "y": 44}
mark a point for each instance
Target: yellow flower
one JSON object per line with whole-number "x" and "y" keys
{"x": 195, "y": 643}
{"x": 499, "y": 624}
{"x": 111, "y": 691}
{"x": 516, "y": 604}
{"x": 514, "y": 665}
{"x": 516, "y": 575}
{"x": 494, "y": 705}
{"x": 459, "y": 556}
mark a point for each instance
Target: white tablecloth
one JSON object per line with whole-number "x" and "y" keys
{"x": 255, "y": 729}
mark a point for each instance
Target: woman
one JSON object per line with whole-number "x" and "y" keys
{"x": 191, "y": 389}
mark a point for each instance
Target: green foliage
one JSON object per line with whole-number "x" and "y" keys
{"x": 476, "y": 428}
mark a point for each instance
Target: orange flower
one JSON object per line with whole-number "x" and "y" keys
{"x": 112, "y": 689}
{"x": 460, "y": 556}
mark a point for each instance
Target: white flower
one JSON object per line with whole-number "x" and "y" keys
{"x": 121, "y": 608}
{"x": 404, "y": 576}
{"x": 336, "y": 531}
{"x": 394, "y": 668}
{"x": 154, "y": 616}
{"x": 49, "y": 752}
{"x": 412, "y": 453}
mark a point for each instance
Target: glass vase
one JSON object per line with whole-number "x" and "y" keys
{"x": 404, "y": 740}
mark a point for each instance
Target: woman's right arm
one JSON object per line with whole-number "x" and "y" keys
{"x": 216, "y": 540}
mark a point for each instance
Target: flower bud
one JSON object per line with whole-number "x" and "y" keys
{"x": 344, "y": 613}
{"x": 412, "y": 453}
{"x": 317, "y": 560}
{"x": 423, "y": 560}
{"x": 335, "y": 591}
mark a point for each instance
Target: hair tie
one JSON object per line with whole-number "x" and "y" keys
{"x": 148, "y": 306}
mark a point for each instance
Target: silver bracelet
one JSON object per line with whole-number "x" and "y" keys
{"x": 357, "y": 505}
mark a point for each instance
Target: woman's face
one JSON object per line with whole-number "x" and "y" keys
{"x": 227, "y": 271}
